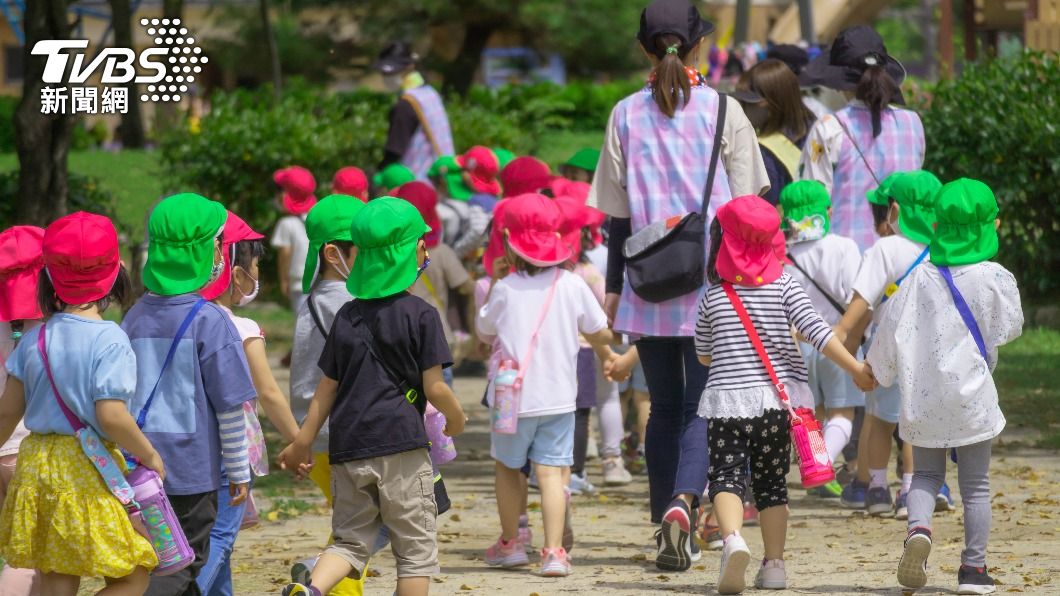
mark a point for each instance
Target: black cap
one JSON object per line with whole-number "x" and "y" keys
{"x": 853, "y": 51}
{"x": 395, "y": 57}
{"x": 795, "y": 57}
{"x": 677, "y": 17}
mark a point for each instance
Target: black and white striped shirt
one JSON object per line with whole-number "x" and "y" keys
{"x": 774, "y": 309}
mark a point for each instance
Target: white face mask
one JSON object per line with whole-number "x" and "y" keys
{"x": 246, "y": 299}
{"x": 344, "y": 270}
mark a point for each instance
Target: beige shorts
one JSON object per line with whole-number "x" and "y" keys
{"x": 393, "y": 490}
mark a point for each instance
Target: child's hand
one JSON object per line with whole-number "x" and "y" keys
{"x": 619, "y": 367}
{"x": 154, "y": 462}
{"x": 863, "y": 377}
{"x": 454, "y": 426}
{"x": 238, "y": 492}
{"x": 297, "y": 459}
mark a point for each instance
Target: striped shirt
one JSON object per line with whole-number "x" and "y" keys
{"x": 774, "y": 309}
{"x": 234, "y": 445}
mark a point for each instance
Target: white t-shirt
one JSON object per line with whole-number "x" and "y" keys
{"x": 882, "y": 265}
{"x": 949, "y": 398}
{"x": 833, "y": 263}
{"x": 550, "y": 385}
{"x": 290, "y": 233}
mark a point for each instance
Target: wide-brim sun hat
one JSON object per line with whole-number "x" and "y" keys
{"x": 425, "y": 199}
{"x": 395, "y": 57}
{"x": 330, "y": 220}
{"x": 180, "y": 250}
{"x": 752, "y": 245}
{"x": 676, "y": 17}
{"x": 966, "y": 232}
{"x": 236, "y": 230}
{"x": 854, "y": 50}
{"x": 21, "y": 260}
{"x": 533, "y": 224}
{"x": 805, "y": 204}
{"x": 916, "y": 193}
{"x": 495, "y": 244}
{"x": 482, "y": 167}
{"x": 386, "y": 232}
{"x": 81, "y": 257}
{"x": 298, "y": 186}
{"x": 524, "y": 175}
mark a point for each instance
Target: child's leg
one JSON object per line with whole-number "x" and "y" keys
{"x": 215, "y": 578}
{"x": 133, "y": 584}
{"x": 927, "y": 480}
{"x": 510, "y": 485}
{"x": 610, "y": 415}
{"x": 355, "y": 522}
{"x": 879, "y": 450}
{"x": 413, "y": 586}
{"x": 59, "y": 584}
{"x": 18, "y": 581}
{"x": 581, "y": 439}
{"x": 837, "y": 431}
{"x": 321, "y": 474}
{"x": 770, "y": 461}
{"x": 973, "y": 476}
{"x": 197, "y": 514}
{"x": 409, "y": 509}
{"x": 553, "y": 502}
{"x": 728, "y": 454}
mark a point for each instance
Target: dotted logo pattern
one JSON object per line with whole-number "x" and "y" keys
{"x": 182, "y": 64}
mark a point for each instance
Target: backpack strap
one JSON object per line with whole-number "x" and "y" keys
{"x": 141, "y": 419}
{"x": 410, "y": 392}
{"x": 965, "y": 312}
{"x": 525, "y": 364}
{"x": 316, "y": 316}
{"x": 835, "y": 303}
{"x": 715, "y": 152}
{"x": 42, "y": 347}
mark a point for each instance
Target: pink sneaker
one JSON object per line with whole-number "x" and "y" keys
{"x": 526, "y": 538}
{"x": 555, "y": 562}
{"x": 750, "y": 515}
{"x": 506, "y": 554}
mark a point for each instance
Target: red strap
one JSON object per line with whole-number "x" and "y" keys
{"x": 752, "y": 334}
{"x": 540, "y": 321}
{"x": 72, "y": 418}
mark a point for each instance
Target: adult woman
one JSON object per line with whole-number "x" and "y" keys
{"x": 770, "y": 96}
{"x": 654, "y": 165}
{"x": 857, "y": 147}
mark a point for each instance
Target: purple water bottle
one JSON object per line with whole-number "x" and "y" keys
{"x": 443, "y": 450}
{"x": 157, "y": 516}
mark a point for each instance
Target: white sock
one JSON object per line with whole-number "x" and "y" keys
{"x": 907, "y": 483}
{"x": 878, "y": 478}
{"x": 836, "y": 436}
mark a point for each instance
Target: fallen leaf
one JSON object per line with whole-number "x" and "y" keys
{"x": 466, "y": 587}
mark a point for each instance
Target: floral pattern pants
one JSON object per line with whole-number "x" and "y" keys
{"x": 761, "y": 444}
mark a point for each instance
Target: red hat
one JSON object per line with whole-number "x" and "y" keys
{"x": 351, "y": 181}
{"x": 21, "y": 260}
{"x": 495, "y": 246}
{"x": 533, "y": 224}
{"x": 561, "y": 187}
{"x": 236, "y": 230}
{"x": 81, "y": 257}
{"x": 525, "y": 174}
{"x": 298, "y": 185}
{"x": 482, "y": 167}
{"x": 575, "y": 217}
{"x": 751, "y": 252}
{"x": 425, "y": 199}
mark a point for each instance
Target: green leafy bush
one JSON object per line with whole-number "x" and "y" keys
{"x": 999, "y": 122}
{"x": 8, "y": 104}
{"x": 84, "y": 194}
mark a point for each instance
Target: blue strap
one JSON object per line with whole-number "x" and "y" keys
{"x": 919, "y": 260}
{"x": 965, "y": 312}
{"x": 142, "y": 418}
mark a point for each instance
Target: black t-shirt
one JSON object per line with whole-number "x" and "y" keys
{"x": 403, "y": 125}
{"x": 371, "y": 416}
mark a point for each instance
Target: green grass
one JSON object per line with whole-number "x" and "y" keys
{"x": 559, "y": 145}
{"x": 1029, "y": 394}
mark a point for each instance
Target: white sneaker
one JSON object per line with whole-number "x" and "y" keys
{"x": 579, "y": 484}
{"x": 771, "y": 575}
{"x": 735, "y": 557}
{"x": 615, "y": 472}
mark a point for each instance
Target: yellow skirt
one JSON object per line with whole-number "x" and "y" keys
{"x": 59, "y": 516}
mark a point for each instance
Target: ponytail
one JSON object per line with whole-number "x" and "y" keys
{"x": 670, "y": 87}
{"x": 878, "y": 90}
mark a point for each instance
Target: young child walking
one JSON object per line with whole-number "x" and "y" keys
{"x": 238, "y": 286}
{"x": 384, "y": 355}
{"x": 192, "y": 374}
{"x": 20, "y": 265}
{"x": 536, "y": 314}
{"x": 825, "y": 265}
{"x": 747, "y": 423}
{"x": 58, "y": 502}
{"x": 296, "y": 185}
{"x": 938, "y": 341}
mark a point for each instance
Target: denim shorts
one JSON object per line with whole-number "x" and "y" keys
{"x": 884, "y": 403}
{"x": 831, "y": 385}
{"x": 546, "y": 440}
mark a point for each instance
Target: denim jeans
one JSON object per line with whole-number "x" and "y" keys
{"x": 676, "y": 441}
{"x": 215, "y": 578}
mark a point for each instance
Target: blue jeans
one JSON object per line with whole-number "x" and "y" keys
{"x": 676, "y": 442}
{"x": 215, "y": 578}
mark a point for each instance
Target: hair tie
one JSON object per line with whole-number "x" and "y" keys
{"x": 672, "y": 49}
{"x": 872, "y": 59}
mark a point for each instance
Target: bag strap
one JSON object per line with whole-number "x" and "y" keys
{"x": 715, "y": 152}
{"x": 858, "y": 149}
{"x": 422, "y": 117}
{"x": 430, "y": 290}
{"x": 894, "y": 287}
{"x": 752, "y": 334}
{"x": 835, "y": 303}
{"x": 316, "y": 316}
{"x": 525, "y": 364}
{"x": 72, "y": 418}
{"x": 410, "y": 393}
{"x": 965, "y": 312}
{"x": 141, "y": 419}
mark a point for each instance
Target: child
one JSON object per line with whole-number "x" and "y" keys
{"x": 289, "y": 238}
{"x": 352, "y": 182}
{"x": 824, "y": 264}
{"x": 391, "y": 177}
{"x": 20, "y": 265}
{"x": 747, "y": 422}
{"x": 201, "y": 387}
{"x": 238, "y": 286}
{"x": 548, "y": 392}
{"x": 384, "y": 353}
{"x": 938, "y": 340}
{"x": 57, "y": 502}
{"x": 903, "y": 206}
{"x": 524, "y": 175}
{"x": 581, "y": 166}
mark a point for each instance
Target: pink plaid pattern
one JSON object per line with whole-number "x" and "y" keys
{"x": 899, "y": 148}
{"x": 667, "y": 163}
{"x": 420, "y": 154}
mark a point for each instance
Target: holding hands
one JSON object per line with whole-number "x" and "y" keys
{"x": 863, "y": 377}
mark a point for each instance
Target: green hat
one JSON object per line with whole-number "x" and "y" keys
{"x": 916, "y": 193}
{"x": 447, "y": 168}
{"x": 328, "y": 220}
{"x": 393, "y": 176}
{"x": 584, "y": 159}
{"x": 881, "y": 195}
{"x": 181, "y": 233}
{"x": 806, "y": 204}
{"x": 504, "y": 157}
{"x": 386, "y": 233}
{"x": 966, "y": 210}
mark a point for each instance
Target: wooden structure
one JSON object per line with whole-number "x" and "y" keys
{"x": 1042, "y": 27}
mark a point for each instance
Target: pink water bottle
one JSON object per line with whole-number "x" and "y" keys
{"x": 814, "y": 466}
{"x": 163, "y": 528}
{"x": 505, "y": 412}
{"x": 443, "y": 450}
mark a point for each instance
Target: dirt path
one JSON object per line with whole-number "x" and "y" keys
{"x": 830, "y": 550}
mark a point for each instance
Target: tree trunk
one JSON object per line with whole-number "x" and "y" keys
{"x": 460, "y": 73}
{"x": 274, "y": 53}
{"x": 132, "y": 122}
{"x": 42, "y": 141}
{"x": 167, "y": 115}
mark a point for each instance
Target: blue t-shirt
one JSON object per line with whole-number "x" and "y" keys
{"x": 90, "y": 360}
{"x": 208, "y": 374}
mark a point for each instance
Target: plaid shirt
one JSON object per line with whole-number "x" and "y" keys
{"x": 420, "y": 154}
{"x": 830, "y": 157}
